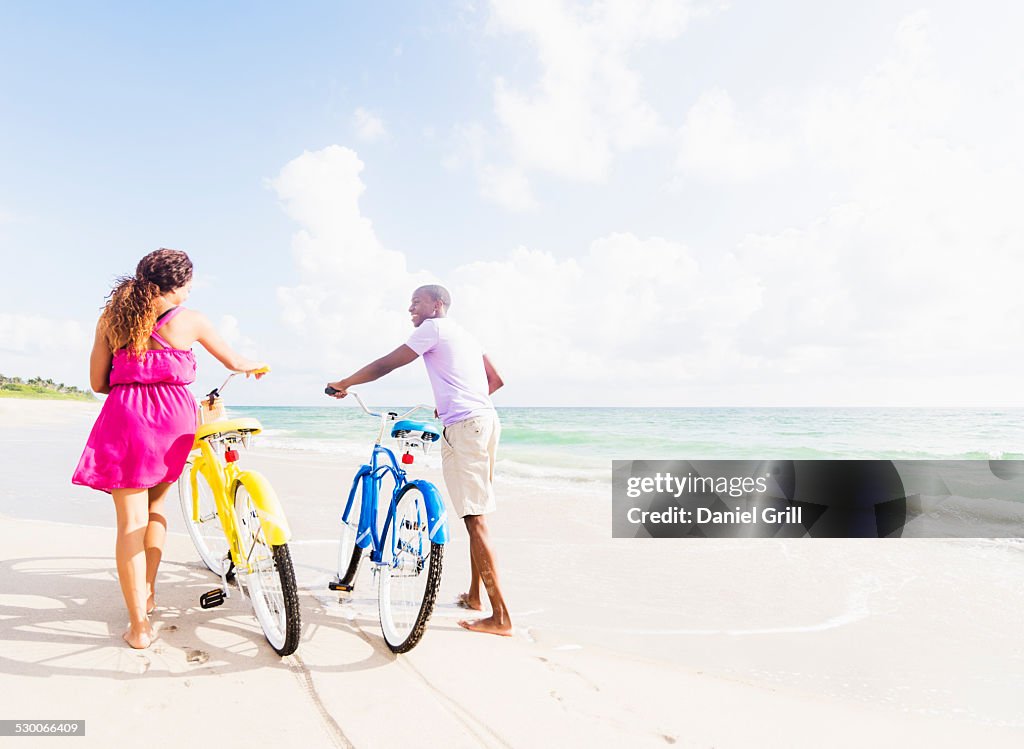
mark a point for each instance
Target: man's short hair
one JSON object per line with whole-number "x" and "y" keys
{"x": 438, "y": 294}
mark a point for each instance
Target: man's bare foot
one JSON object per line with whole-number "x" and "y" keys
{"x": 490, "y": 625}
{"x": 140, "y": 637}
{"x": 465, "y": 602}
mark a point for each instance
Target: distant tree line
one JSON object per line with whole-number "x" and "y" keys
{"x": 10, "y": 383}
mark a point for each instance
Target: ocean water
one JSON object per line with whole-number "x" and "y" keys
{"x": 543, "y": 445}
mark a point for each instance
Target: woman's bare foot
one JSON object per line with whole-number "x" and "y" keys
{"x": 465, "y": 602}
{"x": 140, "y": 636}
{"x": 150, "y": 604}
{"x": 490, "y": 625}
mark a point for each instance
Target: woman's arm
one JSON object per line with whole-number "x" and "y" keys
{"x": 221, "y": 350}
{"x": 100, "y": 361}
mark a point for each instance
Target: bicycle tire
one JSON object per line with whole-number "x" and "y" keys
{"x": 207, "y": 533}
{"x": 409, "y": 579}
{"x": 269, "y": 579}
{"x": 349, "y": 554}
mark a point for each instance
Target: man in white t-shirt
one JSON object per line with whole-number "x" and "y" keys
{"x": 463, "y": 379}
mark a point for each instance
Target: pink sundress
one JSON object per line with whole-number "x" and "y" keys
{"x": 146, "y": 427}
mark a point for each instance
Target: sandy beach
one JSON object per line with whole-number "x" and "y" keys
{"x": 619, "y": 642}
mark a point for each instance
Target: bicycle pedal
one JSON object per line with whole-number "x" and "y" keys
{"x": 340, "y": 586}
{"x": 211, "y": 598}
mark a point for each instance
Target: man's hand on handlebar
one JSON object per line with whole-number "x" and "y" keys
{"x": 336, "y": 389}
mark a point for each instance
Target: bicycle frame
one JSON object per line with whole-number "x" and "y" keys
{"x": 223, "y": 477}
{"x": 370, "y": 477}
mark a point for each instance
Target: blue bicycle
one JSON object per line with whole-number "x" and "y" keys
{"x": 407, "y": 544}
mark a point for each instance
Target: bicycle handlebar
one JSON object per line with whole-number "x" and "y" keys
{"x": 417, "y": 407}
{"x": 331, "y": 391}
{"x": 361, "y": 404}
{"x": 216, "y": 391}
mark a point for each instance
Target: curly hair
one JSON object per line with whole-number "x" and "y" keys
{"x": 130, "y": 312}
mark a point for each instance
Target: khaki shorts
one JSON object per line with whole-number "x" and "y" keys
{"x": 468, "y": 450}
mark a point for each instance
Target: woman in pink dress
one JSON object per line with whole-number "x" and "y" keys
{"x": 143, "y": 435}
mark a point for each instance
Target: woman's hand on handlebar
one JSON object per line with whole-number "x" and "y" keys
{"x": 257, "y": 369}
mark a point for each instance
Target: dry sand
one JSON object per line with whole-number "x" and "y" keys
{"x": 796, "y": 643}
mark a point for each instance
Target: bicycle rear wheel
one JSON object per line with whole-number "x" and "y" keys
{"x": 270, "y": 579}
{"x": 206, "y": 531}
{"x": 410, "y": 575}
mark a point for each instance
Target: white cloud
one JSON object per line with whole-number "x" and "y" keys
{"x": 627, "y": 310}
{"x": 345, "y": 303}
{"x": 913, "y": 279}
{"x": 33, "y": 333}
{"x": 57, "y": 349}
{"x": 904, "y": 292}
{"x": 587, "y": 104}
{"x": 230, "y": 328}
{"x": 368, "y": 126}
{"x": 900, "y": 106}
{"x": 629, "y": 318}
{"x": 716, "y": 145}
{"x": 585, "y": 107}
{"x": 507, "y": 187}
{"x": 320, "y": 191}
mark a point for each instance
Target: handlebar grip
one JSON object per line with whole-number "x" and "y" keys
{"x": 330, "y": 391}
{"x": 261, "y": 370}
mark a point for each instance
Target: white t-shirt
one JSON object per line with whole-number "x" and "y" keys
{"x": 455, "y": 365}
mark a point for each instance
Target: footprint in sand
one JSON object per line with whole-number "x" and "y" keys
{"x": 196, "y": 656}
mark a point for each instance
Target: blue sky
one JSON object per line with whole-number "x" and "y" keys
{"x": 640, "y": 203}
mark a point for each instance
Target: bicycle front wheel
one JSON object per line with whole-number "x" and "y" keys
{"x": 410, "y": 574}
{"x": 270, "y": 578}
{"x": 204, "y": 527}
{"x": 349, "y": 553}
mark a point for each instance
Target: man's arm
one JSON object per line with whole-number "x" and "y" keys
{"x": 494, "y": 380}
{"x": 375, "y": 370}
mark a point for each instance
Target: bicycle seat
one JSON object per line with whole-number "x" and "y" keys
{"x": 243, "y": 426}
{"x": 426, "y": 432}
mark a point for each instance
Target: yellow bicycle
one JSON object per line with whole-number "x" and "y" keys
{"x": 238, "y": 526}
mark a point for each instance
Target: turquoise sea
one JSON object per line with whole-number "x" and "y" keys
{"x": 578, "y": 444}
